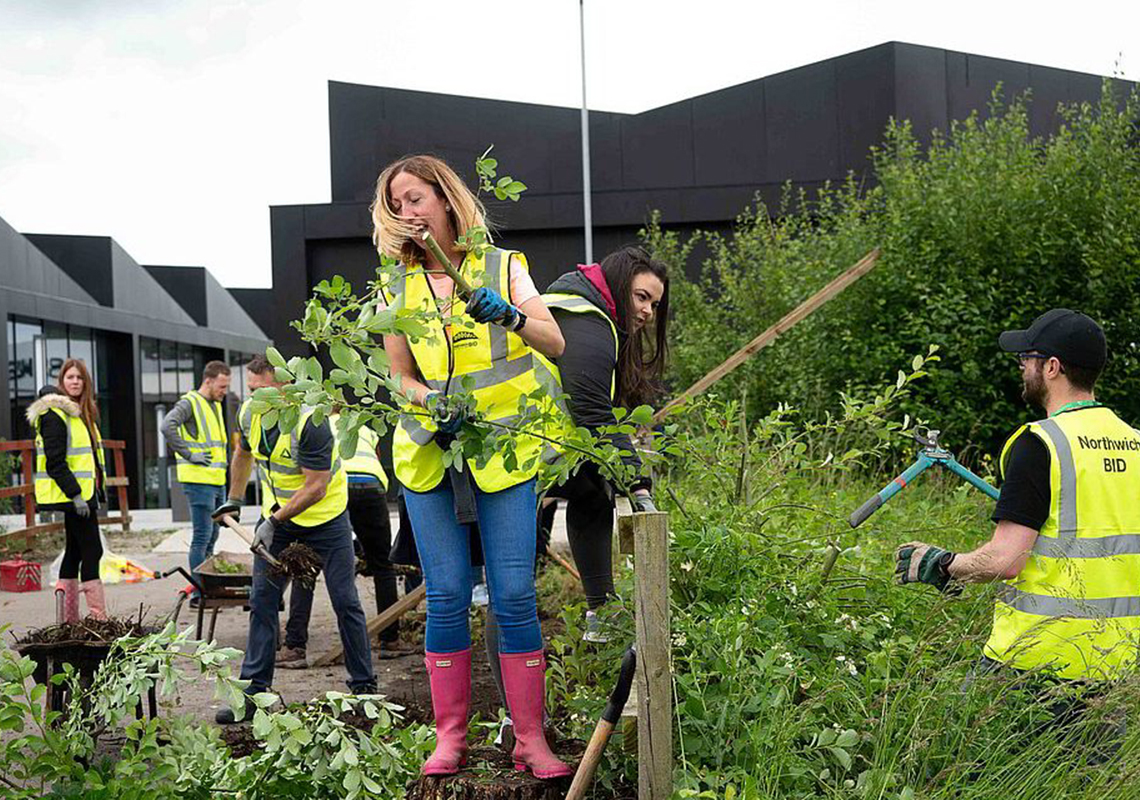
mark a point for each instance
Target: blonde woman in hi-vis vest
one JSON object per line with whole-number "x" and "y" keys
{"x": 495, "y": 355}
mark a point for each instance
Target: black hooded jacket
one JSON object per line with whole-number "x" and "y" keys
{"x": 589, "y": 361}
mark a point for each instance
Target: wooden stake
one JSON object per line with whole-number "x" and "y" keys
{"x": 379, "y": 622}
{"x": 789, "y": 321}
{"x": 654, "y": 673}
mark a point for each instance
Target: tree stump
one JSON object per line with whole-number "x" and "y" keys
{"x": 490, "y": 775}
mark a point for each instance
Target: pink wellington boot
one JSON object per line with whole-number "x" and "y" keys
{"x": 70, "y": 587}
{"x": 450, "y": 676}
{"x": 524, "y": 680}
{"x": 96, "y": 602}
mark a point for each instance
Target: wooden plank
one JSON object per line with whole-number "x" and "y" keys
{"x": 624, "y": 522}
{"x": 786, "y": 323}
{"x": 16, "y": 491}
{"x": 654, "y": 674}
{"x": 379, "y": 622}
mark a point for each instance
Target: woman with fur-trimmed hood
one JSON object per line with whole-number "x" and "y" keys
{"x": 69, "y": 478}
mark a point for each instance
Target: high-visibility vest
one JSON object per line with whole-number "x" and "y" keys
{"x": 210, "y": 439}
{"x": 81, "y": 458}
{"x": 496, "y": 362}
{"x": 577, "y": 304}
{"x": 1075, "y": 607}
{"x": 281, "y": 478}
{"x": 366, "y": 461}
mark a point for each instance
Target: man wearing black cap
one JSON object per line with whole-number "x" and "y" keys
{"x": 1067, "y": 541}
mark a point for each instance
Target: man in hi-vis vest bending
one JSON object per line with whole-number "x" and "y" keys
{"x": 195, "y": 431}
{"x": 305, "y": 496}
{"x": 1067, "y": 542}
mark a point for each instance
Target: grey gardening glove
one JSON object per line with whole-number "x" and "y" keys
{"x": 263, "y": 533}
{"x": 81, "y": 506}
{"x": 200, "y": 459}
{"x": 232, "y": 506}
{"x": 643, "y": 500}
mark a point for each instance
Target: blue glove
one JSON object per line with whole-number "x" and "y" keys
{"x": 447, "y": 418}
{"x": 487, "y": 305}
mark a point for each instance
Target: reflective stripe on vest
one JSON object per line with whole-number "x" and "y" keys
{"x": 281, "y": 477}
{"x": 366, "y": 461}
{"x": 81, "y": 460}
{"x": 210, "y": 439}
{"x": 1075, "y": 606}
{"x": 495, "y": 363}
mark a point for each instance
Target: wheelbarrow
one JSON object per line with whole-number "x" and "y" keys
{"x": 218, "y": 587}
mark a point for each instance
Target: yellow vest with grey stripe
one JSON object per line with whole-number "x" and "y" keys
{"x": 576, "y": 304}
{"x": 210, "y": 439}
{"x": 81, "y": 455}
{"x": 365, "y": 461}
{"x": 498, "y": 364}
{"x": 281, "y": 477}
{"x": 1075, "y": 607}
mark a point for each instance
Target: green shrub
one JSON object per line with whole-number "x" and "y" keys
{"x": 981, "y": 231}
{"x": 796, "y": 680}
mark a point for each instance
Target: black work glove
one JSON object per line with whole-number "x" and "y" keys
{"x": 917, "y": 562}
{"x": 643, "y": 501}
{"x": 232, "y": 506}
{"x": 81, "y": 506}
{"x": 448, "y": 418}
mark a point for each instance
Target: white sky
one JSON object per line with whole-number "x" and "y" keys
{"x": 173, "y": 125}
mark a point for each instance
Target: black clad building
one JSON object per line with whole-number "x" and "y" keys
{"x": 699, "y": 162}
{"x": 145, "y": 333}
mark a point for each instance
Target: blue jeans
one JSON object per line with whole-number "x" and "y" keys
{"x": 203, "y": 499}
{"x": 333, "y": 543}
{"x": 506, "y": 526}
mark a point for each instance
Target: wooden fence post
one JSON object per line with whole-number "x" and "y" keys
{"x": 646, "y": 536}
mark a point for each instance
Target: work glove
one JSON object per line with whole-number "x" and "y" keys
{"x": 81, "y": 506}
{"x": 263, "y": 533}
{"x": 487, "y": 305}
{"x": 200, "y": 459}
{"x": 232, "y": 506}
{"x": 643, "y": 501}
{"x": 448, "y": 417}
{"x": 916, "y": 562}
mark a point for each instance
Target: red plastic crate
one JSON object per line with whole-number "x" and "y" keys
{"x": 20, "y": 576}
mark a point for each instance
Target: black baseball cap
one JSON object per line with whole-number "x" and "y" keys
{"x": 1069, "y": 335}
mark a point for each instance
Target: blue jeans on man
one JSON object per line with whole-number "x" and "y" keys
{"x": 202, "y": 499}
{"x": 332, "y": 541}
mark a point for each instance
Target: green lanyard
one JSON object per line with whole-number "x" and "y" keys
{"x": 1074, "y": 406}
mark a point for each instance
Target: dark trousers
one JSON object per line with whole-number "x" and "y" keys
{"x": 368, "y": 514}
{"x": 83, "y": 550}
{"x": 332, "y": 541}
{"x": 589, "y": 527}
{"x": 1066, "y": 712}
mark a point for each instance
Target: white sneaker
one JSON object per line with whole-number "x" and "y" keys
{"x": 479, "y": 595}
{"x": 593, "y": 631}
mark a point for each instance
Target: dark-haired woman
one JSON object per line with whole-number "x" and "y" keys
{"x": 69, "y": 478}
{"x": 614, "y": 318}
